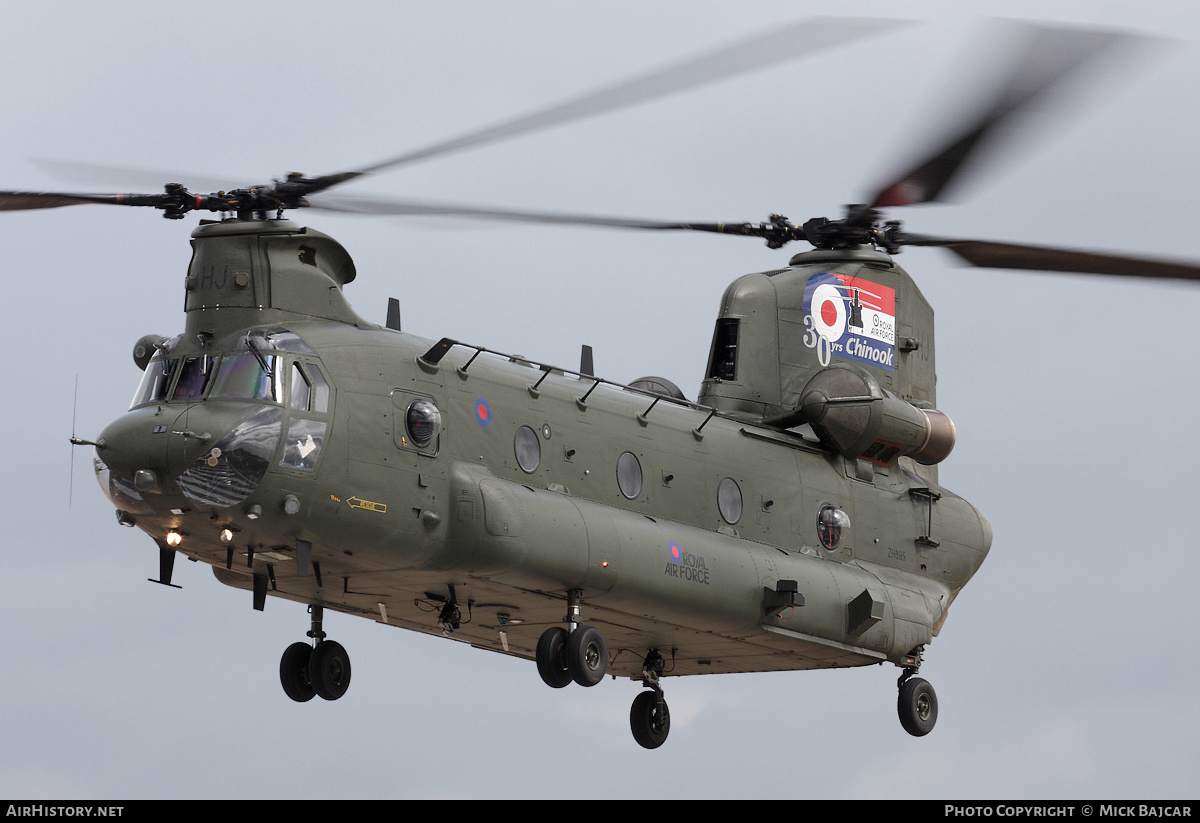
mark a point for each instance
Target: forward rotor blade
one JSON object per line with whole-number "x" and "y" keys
{"x": 26, "y": 200}
{"x": 101, "y": 175}
{"x": 786, "y": 43}
{"x": 1050, "y": 58}
{"x": 990, "y": 255}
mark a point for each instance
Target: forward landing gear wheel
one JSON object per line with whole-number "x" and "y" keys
{"x": 551, "y": 662}
{"x": 329, "y": 670}
{"x": 917, "y": 707}
{"x": 587, "y": 656}
{"x": 650, "y": 720}
{"x": 293, "y": 672}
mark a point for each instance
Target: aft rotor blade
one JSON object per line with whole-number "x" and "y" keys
{"x": 991, "y": 255}
{"x": 780, "y": 44}
{"x": 364, "y": 205}
{"x": 1050, "y": 58}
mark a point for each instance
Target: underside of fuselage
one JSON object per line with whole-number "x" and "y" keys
{"x": 507, "y": 620}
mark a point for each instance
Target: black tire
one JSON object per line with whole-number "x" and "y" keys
{"x": 329, "y": 669}
{"x": 650, "y": 726}
{"x": 587, "y": 656}
{"x": 551, "y": 660}
{"x": 294, "y": 672}
{"x": 917, "y": 707}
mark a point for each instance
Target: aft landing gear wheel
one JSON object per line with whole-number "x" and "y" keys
{"x": 551, "y": 662}
{"x": 650, "y": 719}
{"x": 293, "y": 672}
{"x": 329, "y": 670}
{"x": 917, "y": 707}
{"x": 587, "y": 656}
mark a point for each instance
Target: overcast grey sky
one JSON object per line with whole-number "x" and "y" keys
{"x": 1065, "y": 669}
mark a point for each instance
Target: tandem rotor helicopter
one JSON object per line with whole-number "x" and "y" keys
{"x": 789, "y": 518}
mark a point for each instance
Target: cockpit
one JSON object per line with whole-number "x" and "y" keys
{"x": 267, "y": 384}
{"x": 250, "y": 372}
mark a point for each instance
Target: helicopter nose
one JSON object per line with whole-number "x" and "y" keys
{"x": 140, "y": 445}
{"x": 216, "y": 453}
{"x": 224, "y": 473}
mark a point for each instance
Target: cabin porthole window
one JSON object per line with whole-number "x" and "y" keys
{"x": 423, "y": 421}
{"x": 832, "y": 525}
{"x": 629, "y": 475}
{"x": 729, "y": 500}
{"x": 528, "y": 449}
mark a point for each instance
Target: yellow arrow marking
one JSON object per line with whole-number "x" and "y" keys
{"x": 359, "y": 503}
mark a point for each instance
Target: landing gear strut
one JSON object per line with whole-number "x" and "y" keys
{"x": 917, "y": 703}
{"x": 649, "y": 717}
{"x": 308, "y": 671}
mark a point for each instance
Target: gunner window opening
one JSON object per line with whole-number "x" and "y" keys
{"x": 724, "y": 351}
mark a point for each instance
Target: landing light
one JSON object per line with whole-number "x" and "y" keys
{"x": 226, "y": 536}
{"x": 174, "y": 539}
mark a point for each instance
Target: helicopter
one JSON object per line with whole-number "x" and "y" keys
{"x": 854, "y": 421}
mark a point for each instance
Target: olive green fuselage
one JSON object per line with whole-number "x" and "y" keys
{"x": 517, "y": 498}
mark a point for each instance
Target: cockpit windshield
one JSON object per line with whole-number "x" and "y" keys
{"x": 194, "y": 377}
{"x": 255, "y": 372}
{"x": 250, "y": 377}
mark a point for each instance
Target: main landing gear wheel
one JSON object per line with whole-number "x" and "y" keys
{"x": 917, "y": 707}
{"x": 650, "y": 719}
{"x": 551, "y": 662}
{"x": 329, "y": 670}
{"x": 587, "y": 656}
{"x": 293, "y": 672}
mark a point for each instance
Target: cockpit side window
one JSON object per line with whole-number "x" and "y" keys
{"x": 300, "y": 390}
{"x": 320, "y": 389}
{"x": 156, "y": 380}
{"x": 308, "y": 394}
{"x": 308, "y": 390}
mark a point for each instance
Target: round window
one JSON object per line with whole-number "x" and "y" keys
{"x": 832, "y": 525}
{"x": 528, "y": 449}
{"x": 423, "y": 421}
{"x": 629, "y": 475}
{"x": 729, "y": 500}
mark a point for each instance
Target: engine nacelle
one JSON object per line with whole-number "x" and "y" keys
{"x": 849, "y": 411}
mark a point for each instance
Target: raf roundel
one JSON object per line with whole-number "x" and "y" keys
{"x": 483, "y": 412}
{"x": 828, "y": 312}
